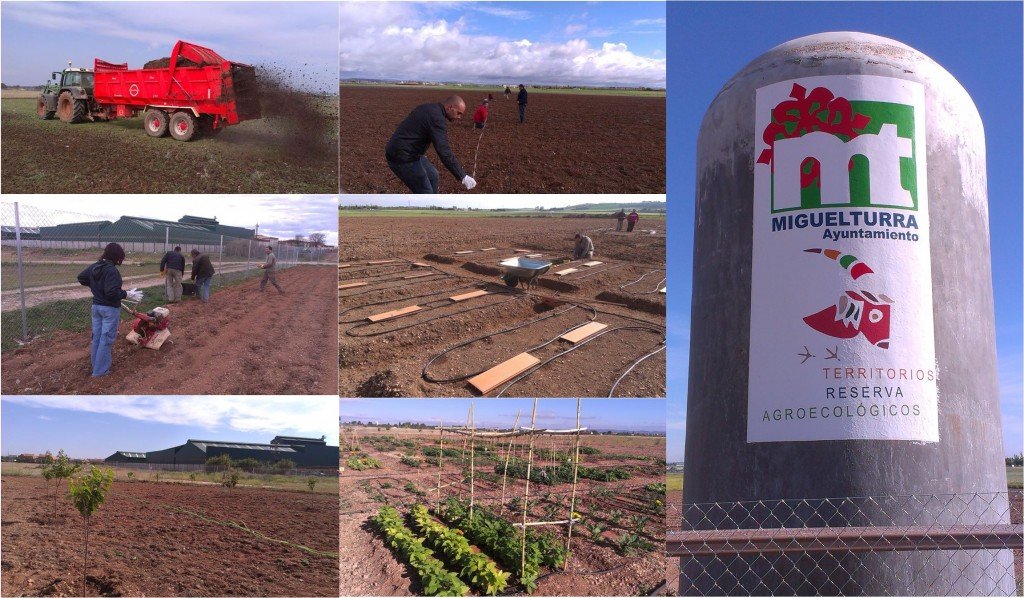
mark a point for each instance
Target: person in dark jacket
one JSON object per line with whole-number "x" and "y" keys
{"x": 521, "y": 100}
{"x": 105, "y": 282}
{"x": 405, "y": 152}
{"x": 172, "y": 266}
{"x": 619, "y": 219}
{"x": 202, "y": 273}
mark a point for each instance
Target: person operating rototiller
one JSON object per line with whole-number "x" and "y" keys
{"x": 149, "y": 329}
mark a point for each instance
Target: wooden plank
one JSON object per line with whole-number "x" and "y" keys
{"x": 344, "y": 265}
{"x": 351, "y": 285}
{"x": 379, "y": 262}
{"x": 420, "y": 275}
{"x": 464, "y": 252}
{"x": 664, "y": 290}
{"x": 521, "y": 250}
{"x": 394, "y": 313}
{"x": 469, "y": 295}
{"x": 566, "y": 271}
{"x": 585, "y": 331}
{"x": 488, "y": 249}
{"x": 592, "y": 264}
{"x": 535, "y": 255}
{"x": 420, "y": 265}
{"x": 503, "y": 372}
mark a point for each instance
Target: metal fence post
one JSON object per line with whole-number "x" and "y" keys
{"x": 21, "y": 272}
{"x": 167, "y": 238}
{"x": 248, "y": 258}
{"x": 220, "y": 261}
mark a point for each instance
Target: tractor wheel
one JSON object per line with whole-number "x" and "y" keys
{"x": 79, "y": 112}
{"x": 41, "y": 110}
{"x": 183, "y": 125}
{"x": 155, "y": 122}
{"x": 66, "y": 107}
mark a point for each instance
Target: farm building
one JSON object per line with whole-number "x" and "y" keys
{"x": 126, "y": 457}
{"x": 79, "y": 231}
{"x": 136, "y": 234}
{"x": 305, "y": 452}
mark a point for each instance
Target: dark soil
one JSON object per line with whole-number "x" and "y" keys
{"x": 569, "y": 144}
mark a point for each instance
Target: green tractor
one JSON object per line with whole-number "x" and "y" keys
{"x": 67, "y": 94}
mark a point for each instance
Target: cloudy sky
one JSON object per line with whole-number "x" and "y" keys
{"x": 637, "y": 415}
{"x": 565, "y": 43}
{"x": 92, "y": 427}
{"x": 277, "y": 216}
{"x": 298, "y": 38}
{"x": 491, "y": 202}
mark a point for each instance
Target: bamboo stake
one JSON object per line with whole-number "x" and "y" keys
{"x": 472, "y": 459}
{"x": 508, "y": 453}
{"x": 526, "y": 497}
{"x": 572, "y": 496}
{"x": 440, "y": 466}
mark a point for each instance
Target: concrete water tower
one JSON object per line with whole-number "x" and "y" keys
{"x": 842, "y": 335}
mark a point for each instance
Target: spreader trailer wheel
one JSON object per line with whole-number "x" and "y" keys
{"x": 155, "y": 122}
{"x": 41, "y": 110}
{"x": 183, "y": 125}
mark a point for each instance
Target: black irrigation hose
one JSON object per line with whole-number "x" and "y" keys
{"x": 386, "y": 301}
{"x": 429, "y": 378}
{"x": 400, "y": 265}
{"x": 406, "y": 284}
{"x": 633, "y": 318}
{"x": 349, "y": 332}
{"x": 571, "y": 349}
{"x": 387, "y": 276}
{"x": 635, "y": 363}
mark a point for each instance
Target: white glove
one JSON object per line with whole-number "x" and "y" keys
{"x": 469, "y": 182}
{"x": 135, "y": 295}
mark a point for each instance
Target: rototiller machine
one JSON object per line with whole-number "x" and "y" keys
{"x": 149, "y": 329}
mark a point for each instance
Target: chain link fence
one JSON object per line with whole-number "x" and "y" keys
{"x": 43, "y": 251}
{"x": 920, "y": 545}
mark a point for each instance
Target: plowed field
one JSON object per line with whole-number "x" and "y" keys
{"x": 596, "y": 566}
{"x": 242, "y": 342}
{"x": 151, "y": 539}
{"x": 570, "y": 143}
{"x": 434, "y": 350}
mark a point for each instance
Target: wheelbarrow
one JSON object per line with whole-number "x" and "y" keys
{"x": 523, "y": 270}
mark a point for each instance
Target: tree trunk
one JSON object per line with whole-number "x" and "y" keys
{"x": 85, "y": 566}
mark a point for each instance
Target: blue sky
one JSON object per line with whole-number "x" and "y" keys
{"x": 296, "y": 38}
{"x": 577, "y": 43}
{"x": 978, "y": 42}
{"x": 94, "y": 427}
{"x": 639, "y": 415}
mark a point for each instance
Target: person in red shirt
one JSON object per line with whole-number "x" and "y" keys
{"x": 480, "y": 116}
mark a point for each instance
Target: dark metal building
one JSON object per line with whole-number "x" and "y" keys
{"x": 304, "y": 452}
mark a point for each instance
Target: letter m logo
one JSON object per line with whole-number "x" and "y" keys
{"x": 826, "y": 150}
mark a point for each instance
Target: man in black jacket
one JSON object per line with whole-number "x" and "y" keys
{"x": 427, "y": 124}
{"x": 521, "y": 100}
{"x": 202, "y": 273}
{"x": 172, "y": 266}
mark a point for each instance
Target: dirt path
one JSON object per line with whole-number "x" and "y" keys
{"x": 34, "y": 296}
{"x": 242, "y": 342}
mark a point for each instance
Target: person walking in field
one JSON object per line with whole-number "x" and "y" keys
{"x": 584, "y": 247}
{"x": 202, "y": 274}
{"x": 508, "y": 92}
{"x": 405, "y": 152}
{"x": 269, "y": 267}
{"x": 480, "y": 116}
{"x": 521, "y": 100}
{"x": 104, "y": 280}
{"x": 172, "y": 266}
{"x": 631, "y": 221}
{"x": 619, "y": 219}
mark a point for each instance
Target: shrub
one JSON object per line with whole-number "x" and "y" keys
{"x": 248, "y": 464}
{"x": 284, "y": 465}
{"x": 435, "y": 579}
{"x": 219, "y": 463}
{"x": 311, "y": 482}
{"x": 62, "y": 468}
{"x": 410, "y": 461}
{"x": 361, "y": 463}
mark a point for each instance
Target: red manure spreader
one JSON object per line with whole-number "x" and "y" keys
{"x": 197, "y": 91}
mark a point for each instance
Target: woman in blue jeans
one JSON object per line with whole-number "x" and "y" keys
{"x": 105, "y": 282}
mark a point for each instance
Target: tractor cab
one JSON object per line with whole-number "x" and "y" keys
{"x": 68, "y": 93}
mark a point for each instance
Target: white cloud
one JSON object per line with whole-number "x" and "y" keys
{"x": 641, "y": 22}
{"x": 303, "y": 416}
{"x": 394, "y": 41}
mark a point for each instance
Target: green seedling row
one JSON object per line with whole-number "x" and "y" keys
{"x": 435, "y": 578}
{"x": 475, "y": 568}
